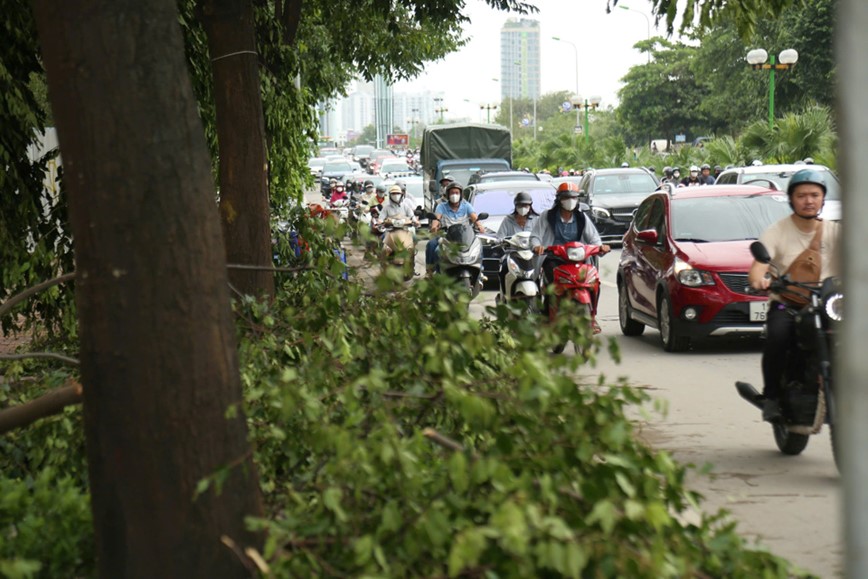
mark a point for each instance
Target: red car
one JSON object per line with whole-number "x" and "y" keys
{"x": 685, "y": 259}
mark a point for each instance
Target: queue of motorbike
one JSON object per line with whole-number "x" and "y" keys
{"x": 807, "y": 386}
{"x": 575, "y": 278}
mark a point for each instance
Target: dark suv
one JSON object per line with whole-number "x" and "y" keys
{"x": 614, "y": 195}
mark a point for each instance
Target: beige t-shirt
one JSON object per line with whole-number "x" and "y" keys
{"x": 784, "y": 242}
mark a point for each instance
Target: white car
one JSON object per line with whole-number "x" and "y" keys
{"x": 395, "y": 167}
{"x": 778, "y": 176}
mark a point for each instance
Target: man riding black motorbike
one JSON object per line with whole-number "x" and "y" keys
{"x": 785, "y": 240}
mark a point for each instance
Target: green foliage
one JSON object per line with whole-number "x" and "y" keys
{"x": 746, "y": 14}
{"x": 45, "y": 527}
{"x": 402, "y": 438}
{"x": 793, "y": 137}
{"x": 34, "y": 237}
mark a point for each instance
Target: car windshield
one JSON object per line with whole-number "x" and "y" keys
{"x": 462, "y": 174}
{"x": 624, "y": 183}
{"x": 395, "y": 166}
{"x": 332, "y": 167}
{"x": 500, "y": 201}
{"x": 782, "y": 179}
{"x": 726, "y": 218}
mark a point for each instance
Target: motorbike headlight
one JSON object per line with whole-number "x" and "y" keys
{"x": 835, "y": 307}
{"x": 601, "y": 213}
{"x": 576, "y": 254}
{"x": 513, "y": 267}
{"x": 691, "y": 277}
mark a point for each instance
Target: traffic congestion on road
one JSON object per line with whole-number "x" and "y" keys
{"x": 673, "y": 294}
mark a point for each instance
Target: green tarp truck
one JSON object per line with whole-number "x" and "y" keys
{"x": 460, "y": 150}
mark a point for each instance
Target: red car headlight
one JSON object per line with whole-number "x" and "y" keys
{"x": 690, "y": 276}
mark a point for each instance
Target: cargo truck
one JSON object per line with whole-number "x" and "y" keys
{"x": 460, "y": 150}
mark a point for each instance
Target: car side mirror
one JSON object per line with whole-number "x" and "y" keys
{"x": 648, "y": 236}
{"x": 432, "y": 186}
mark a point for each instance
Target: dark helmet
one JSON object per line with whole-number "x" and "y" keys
{"x": 369, "y": 183}
{"x": 453, "y": 185}
{"x": 522, "y": 198}
{"x": 718, "y": 168}
{"x": 806, "y": 176}
{"x": 567, "y": 189}
{"x": 667, "y": 170}
{"x": 381, "y": 190}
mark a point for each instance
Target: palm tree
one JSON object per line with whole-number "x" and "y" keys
{"x": 793, "y": 137}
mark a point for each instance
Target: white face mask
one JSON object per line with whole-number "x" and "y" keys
{"x": 454, "y": 197}
{"x": 522, "y": 211}
{"x": 395, "y": 197}
{"x": 569, "y": 204}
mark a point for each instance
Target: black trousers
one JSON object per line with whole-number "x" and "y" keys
{"x": 780, "y": 337}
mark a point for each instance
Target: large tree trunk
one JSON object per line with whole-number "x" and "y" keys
{"x": 244, "y": 208}
{"x": 158, "y": 354}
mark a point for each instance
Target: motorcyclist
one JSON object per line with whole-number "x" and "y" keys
{"x": 453, "y": 210}
{"x": 692, "y": 179}
{"x": 667, "y": 174}
{"x": 717, "y": 171}
{"x": 338, "y": 193}
{"x": 563, "y": 223}
{"x": 398, "y": 207}
{"x": 705, "y": 177}
{"x": 522, "y": 219}
{"x": 785, "y": 240}
{"x": 676, "y": 175}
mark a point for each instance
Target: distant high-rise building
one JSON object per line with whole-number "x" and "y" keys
{"x": 519, "y": 59}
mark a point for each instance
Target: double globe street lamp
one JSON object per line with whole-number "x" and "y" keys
{"x": 579, "y": 103}
{"x": 786, "y": 59}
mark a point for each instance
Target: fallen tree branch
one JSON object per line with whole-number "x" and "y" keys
{"x": 11, "y": 302}
{"x": 46, "y": 405}
{"x": 49, "y": 355}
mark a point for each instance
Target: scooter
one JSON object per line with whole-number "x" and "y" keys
{"x": 576, "y": 278}
{"x": 518, "y": 272}
{"x": 398, "y": 244}
{"x": 807, "y": 386}
{"x": 461, "y": 255}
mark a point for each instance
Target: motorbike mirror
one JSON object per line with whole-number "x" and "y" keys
{"x": 759, "y": 252}
{"x": 482, "y": 216}
{"x": 430, "y": 215}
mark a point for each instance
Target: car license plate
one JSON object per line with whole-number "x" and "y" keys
{"x": 758, "y": 311}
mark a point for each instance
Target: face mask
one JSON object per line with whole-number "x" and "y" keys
{"x": 395, "y": 198}
{"x": 454, "y": 197}
{"x": 569, "y": 204}
{"x": 523, "y": 211}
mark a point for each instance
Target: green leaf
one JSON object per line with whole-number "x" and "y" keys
{"x": 604, "y": 513}
{"x": 466, "y": 550}
{"x": 458, "y": 471}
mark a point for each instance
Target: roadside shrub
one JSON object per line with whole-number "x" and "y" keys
{"x": 397, "y": 436}
{"x": 45, "y": 528}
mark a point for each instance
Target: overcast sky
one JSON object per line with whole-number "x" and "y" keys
{"x": 604, "y": 41}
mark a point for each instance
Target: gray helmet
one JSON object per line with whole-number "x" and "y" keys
{"x": 522, "y": 198}
{"x": 705, "y": 166}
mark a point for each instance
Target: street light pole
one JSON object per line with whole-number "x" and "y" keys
{"x": 576, "y": 52}
{"x": 591, "y": 103}
{"x": 757, "y": 57}
{"x": 647, "y": 25}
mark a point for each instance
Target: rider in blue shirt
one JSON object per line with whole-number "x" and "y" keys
{"x": 453, "y": 210}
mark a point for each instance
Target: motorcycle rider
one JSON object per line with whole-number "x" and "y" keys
{"x": 453, "y": 210}
{"x": 717, "y": 171}
{"x": 338, "y": 193}
{"x": 676, "y": 176}
{"x": 692, "y": 179}
{"x": 667, "y": 174}
{"x": 785, "y": 240}
{"x": 705, "y": 177}
{"x": 522, "y": 219}
{"x": 563, "y": 223}
{"x": 398, "y": 207}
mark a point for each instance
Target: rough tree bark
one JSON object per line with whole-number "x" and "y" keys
{"x": 158, "y": 354}
{"x": 244, "y": 207}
